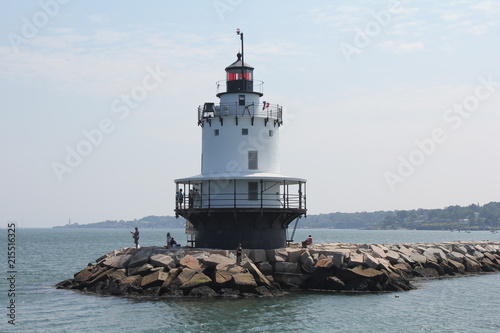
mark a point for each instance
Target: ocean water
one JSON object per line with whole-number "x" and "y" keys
{"x": 45, "y": 257}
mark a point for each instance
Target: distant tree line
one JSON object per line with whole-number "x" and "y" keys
{"x": 453, "y": 217}
{"x": 145, "y": 222}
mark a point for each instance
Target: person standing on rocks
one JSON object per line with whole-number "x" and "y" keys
{"x": 135, "y": 236}
{"x": 239, "y": 252}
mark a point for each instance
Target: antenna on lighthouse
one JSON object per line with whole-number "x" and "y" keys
{"x": 238, "y": 32}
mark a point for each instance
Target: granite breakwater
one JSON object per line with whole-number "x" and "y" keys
{"x": 337, "y": 267}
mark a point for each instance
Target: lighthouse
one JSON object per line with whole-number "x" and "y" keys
{"x": 240, "y": 196}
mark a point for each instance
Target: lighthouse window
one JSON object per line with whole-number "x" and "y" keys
{"x": 253, "y": 191}
{"x": 239, "y": 76}
{"x": 216, "y": 132}
{"x": 241, "y": 99}
{"x": 253, "y": 160}
{"x": 271, "y": 133}
{"x": 244, "y": 131}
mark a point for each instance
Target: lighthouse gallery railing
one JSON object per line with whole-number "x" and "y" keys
{"x": 223, "y": 110}
{"x": 195, "y": 196}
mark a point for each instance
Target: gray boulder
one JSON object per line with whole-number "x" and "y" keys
{"x": 140, "y": 258}
{"x": 456, "y": 256}
{"x": 202, "y": 291}
{"x": 142, "y": 269}
{"x": 307, "y": 262}
{"x": 471, "y": 266}
{"x": 258, "y": 255}
{"x": 459, "y": 248}
{"x": 197, "y": 280}
{"x": 222, "y": 278}
{"x": 118, "y": 261}
{"x": 355, "y": 259}
{"x": 377, "y": 251}
{"x": 185, "y": 275}
{"x": 257, "y": 274}
{"x": 216, "y": 259}
{"x": 392, "y": 256}
{"x": 371, "y": 261}
{"x": 162, "y": 260}
{"x": 154, "y": 279}
{"x": 458, "y": 267}
{"x": 265, "y": 267}
{"x": 286, "y": 267}
{"x": 294, "y": 254}
{"x": 435, "y": 253}
{"x": 417, "y": 257}
{"x": 277, "y": 255}
{"x": 190, "y": 262}
{"x": 288, "y": 280}
{"x": 244, "y": 281}
{"x": 324, "y": 263}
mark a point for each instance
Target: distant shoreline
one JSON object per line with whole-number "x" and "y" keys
{"x": 456, "y": 218}
{"x": 90, "y": 226}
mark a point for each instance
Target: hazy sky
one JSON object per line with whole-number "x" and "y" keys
{"x": 388, "y": 104}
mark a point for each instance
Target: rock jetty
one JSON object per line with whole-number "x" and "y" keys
{"x": 341, "y": 267}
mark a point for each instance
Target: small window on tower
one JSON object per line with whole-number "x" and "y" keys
{"x": 241, "y": 100}
{"x": 216, "y": 132}
{"x": 271, "y": 133}
{"x": 253, "y": 160}
{"x": 244, "y": 131}
{"x": 253, "y": 191}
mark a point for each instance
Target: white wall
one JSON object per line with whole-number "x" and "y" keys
{"x": 228, "y": 151}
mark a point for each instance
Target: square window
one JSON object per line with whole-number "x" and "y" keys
{"x": 244, "y": 131}
{"x": 216, "y": 132}
{"x": 253, "y": 191}
{"x": 253, "y": 160}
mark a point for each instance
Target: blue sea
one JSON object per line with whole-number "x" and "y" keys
{"x": 45, "y": 257}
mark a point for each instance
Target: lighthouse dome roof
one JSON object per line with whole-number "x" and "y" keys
{"x": 238, "y": 64}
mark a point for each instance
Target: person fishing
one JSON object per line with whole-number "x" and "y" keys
{"x": 135, "y": 236}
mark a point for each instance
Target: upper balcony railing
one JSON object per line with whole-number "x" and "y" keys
{"x": 201, "y": 195}
{"x": 266, "y": 111}
{"x": 258, "y": 87}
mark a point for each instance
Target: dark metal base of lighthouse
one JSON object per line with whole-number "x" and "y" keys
{"x": 253, "y": 228}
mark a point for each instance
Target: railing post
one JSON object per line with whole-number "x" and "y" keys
{"x": 183, "y": 196}
{"x": 305, "y": 195}
{"x": 288, "y": 196}
{"x": 201, "y": 196}
{"x": 234, "y": 192}
{"x": 284, "y": 193}
{"x": 176, "y": 193}
{"x": 300, "y": 195}
{"x": 261, "y": 194}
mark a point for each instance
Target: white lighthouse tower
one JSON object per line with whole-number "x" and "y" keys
{"x": 240, "y": 195}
